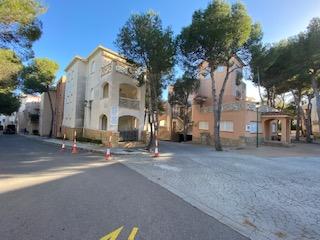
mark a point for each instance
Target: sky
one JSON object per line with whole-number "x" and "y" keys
{"x": 76, "y": 27}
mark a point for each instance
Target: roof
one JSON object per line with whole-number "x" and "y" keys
{"x": 75, "y": 59}
{"x": 275, "y": 114}
{"x": 98, "y": 48}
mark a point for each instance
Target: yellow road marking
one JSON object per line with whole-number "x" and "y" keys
{"x": 133, "y": 233}
{"x": 113, "y": 235}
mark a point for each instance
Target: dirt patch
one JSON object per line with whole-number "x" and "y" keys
{"x": 249, "y": 223}
{"x": 280, "y": 234}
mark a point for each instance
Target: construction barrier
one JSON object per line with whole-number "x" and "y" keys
{"x": 74, "y": 146}
{"x": 108, "y": 152}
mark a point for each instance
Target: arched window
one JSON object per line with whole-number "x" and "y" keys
{"x": 104, "y": 122}
{"x": 106, "y": 90}
{"x": 93, "y": 67}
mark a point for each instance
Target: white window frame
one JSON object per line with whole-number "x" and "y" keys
{"x": 203, "y": 125}
{"x": 226, "y": 126}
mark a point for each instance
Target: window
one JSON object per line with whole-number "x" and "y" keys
{"x": 106, "y": 91}
{"x": 226, "y": 126}
{"x": 220, "y": 69}
{"x": 203, "y": 125}
{"x": 162, "y": 123}
{"x": 104, "y": 122}
{"x": 93, "y": 67}
{"x": 253, "y": 127}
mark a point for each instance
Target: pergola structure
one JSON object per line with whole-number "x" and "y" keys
{"x": 276, "y": 119}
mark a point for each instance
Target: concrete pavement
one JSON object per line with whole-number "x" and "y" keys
{"x": 47, "y": 194}
{"x": 260, "y": 195}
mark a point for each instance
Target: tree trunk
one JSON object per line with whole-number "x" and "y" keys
{"x": 259, "y": 87}
{"x": 315, "y": 88}
{"x": 185, "y": 122}
{"x": 216, "y": 119}
{"x": 52, "y": 113}
{"x": 297, "y": 99}
{"x": 150, "y": 117}
{"x": 307, "y": 121}
{"x": 171, "y": 122}
{"x": 217, "y": 106}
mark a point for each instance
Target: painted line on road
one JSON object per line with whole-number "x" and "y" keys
{"x": 115, "y": 233}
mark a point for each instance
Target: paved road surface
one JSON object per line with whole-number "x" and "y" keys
{"x": 46, "y": 194}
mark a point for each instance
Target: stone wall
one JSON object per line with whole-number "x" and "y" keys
{"x": 70, "y": 132}
{"x": 104, "y": 136}
{"x": 206, "y": 139}
{"x": 164, "y": 133}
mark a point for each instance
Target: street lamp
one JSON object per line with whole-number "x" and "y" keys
{"x": 257, "y": 126}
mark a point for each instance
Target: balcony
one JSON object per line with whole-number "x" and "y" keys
{"x": 129, "y": 103}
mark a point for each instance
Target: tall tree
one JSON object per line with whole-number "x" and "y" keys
{"x": 312, "y": 58}
{"x": 10, "y": 66}
{"x": 182, "y": 89}
{"x": 39, "y": 77}
{"x": 20, "y": 26}
{"x": 215, "y": 36}
{"x": 145, "y": 41}
{"x": 9, "y": 103}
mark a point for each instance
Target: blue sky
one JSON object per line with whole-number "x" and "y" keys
{"x": 76, "y": 27}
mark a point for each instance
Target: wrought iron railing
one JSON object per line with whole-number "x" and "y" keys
{"x": 129, "y": 103}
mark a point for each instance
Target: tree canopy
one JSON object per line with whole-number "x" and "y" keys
{"x": 39, "y": 75}
{"x": 19, "y": 25}
{"x": 152, "y": 47}
{"x": 216, "y": 35}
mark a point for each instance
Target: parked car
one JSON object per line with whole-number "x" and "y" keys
{"x": 10, "y": 129}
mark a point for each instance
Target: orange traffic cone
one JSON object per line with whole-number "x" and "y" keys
{"x": 156, "y": 150}
{"x": 74, "y": 146}
{"x": 63, "y": 147}
{"x": 108, "y": 152}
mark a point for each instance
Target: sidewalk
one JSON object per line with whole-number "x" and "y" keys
{"x": 89, "y": 146}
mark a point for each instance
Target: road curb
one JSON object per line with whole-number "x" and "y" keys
{"x": 102, "y": 151}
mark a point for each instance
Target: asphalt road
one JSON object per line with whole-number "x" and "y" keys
{"x": 48, "y": 194}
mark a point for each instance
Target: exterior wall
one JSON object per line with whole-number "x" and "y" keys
{"x": 71, "y": 131}
{"x": 242, "y": 114}
{"x": 110, "y": 70}
{"x": 236, "y": 109}
{"x": 231, "y": 89}
{"x": 45, "y": 113}
{"x": 29, "y": 105}
{"x": 75, "y": 95}
{"x": 104, "y": 136}
{"x": 85, "y": 103}
{"x": 314, "y": 117}
{"x": 59, "y": 108}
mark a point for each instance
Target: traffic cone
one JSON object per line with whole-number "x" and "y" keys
{"x": 108, "y": 152}
{"x": 156, "y": 150}
{"x": 74, "y": 146}
{"x": 63, "y": 147}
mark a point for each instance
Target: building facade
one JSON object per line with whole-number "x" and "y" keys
{"x": 102, "y": 99}
{"x": 59, "y": 107}
{"x": 28, "y": 114}
{"x": 46, "y": 113}
{"x": 239, "y": 121}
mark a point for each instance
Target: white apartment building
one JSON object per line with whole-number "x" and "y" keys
{"x": 102, "y": 98}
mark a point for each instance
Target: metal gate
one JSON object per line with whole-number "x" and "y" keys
{"x": 131, "y": 135}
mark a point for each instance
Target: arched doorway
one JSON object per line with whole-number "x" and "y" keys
{"x": 104, "y": 123}
{"x": 128, "y": 128}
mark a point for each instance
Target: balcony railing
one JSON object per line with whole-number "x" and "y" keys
{"x": 129, "y": 103}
